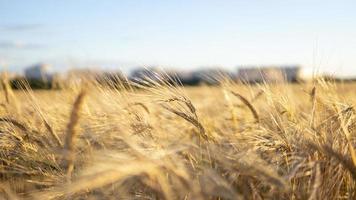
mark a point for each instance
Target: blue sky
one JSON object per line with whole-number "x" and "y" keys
{"x": 181, "y": 34}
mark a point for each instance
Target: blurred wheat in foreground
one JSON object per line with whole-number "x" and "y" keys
{"x": 156, "y": 140}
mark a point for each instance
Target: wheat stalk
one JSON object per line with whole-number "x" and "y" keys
{"x": 52, "y": 132}
{"x": 9, "y": 94}
{"x": 191, "y": 119}
{"x": 71, "y": 133}
{"x": 248, "y": 104}
{"x": 317, "y": 183}
{"x": 313, "y": 100}
{"x": 231, "y": 107}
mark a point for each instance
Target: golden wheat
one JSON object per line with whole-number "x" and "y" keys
{"x": 155, "y": 139}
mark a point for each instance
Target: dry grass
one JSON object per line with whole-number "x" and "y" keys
{"x": 160, "y": 141}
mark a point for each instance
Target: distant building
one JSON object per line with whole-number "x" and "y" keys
{"x": 270, "y": 74}
{"x": 38, "y": 72}
{"x": 86, "y": 75}
{"x": 212, "y": 76}
{"x": 187, "y": 78}
{"x": 152, "y": 73}
{"x": 209, "y": 76}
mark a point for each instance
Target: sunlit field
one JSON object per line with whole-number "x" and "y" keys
{"x": 160, "y": 141}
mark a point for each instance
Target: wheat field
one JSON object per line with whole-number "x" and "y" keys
{"x": 158, "y": 140}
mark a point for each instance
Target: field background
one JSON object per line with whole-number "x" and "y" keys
{"x": 282, "y": 141}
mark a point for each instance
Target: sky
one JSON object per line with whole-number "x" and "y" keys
{"x": 184, "y": 34}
